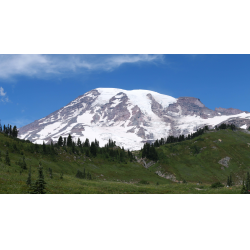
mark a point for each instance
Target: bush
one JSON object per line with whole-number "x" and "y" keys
{"x": 217, "y": 185}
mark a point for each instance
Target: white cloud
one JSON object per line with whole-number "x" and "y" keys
{"x": 3, "y": 96}
{"x": 2, "y": 92}
{"x": 46, "y": 65}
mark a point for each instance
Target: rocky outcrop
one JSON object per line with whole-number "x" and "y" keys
{"x": 229, "y": 111}
{"x": 224, "y": 162}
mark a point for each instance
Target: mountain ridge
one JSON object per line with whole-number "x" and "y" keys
{"x": 128, "y": 117}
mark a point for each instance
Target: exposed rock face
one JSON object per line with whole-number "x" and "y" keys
{"x": 128, "y": 117}
{"x": 224, "y": 161}
{"x": 229, "y": 111}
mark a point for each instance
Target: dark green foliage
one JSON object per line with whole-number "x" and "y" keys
{"x": 79, "y": 143}
{"x": 93, "y": 149}
{"x": 195, "y": 149}
{"x": 83, "y": 175}
{"x": 217, "y": 185}
{"x": 246, "y": 188}
{"x": 24, "y": 164}
{"x": 86, "y": 143}
{"x": 149, "y": 152}
{"x": 64, "y": 141}
{"x": 184, "y": 181}
{"x": 110, "y": 144}
{"x": 229, "y": 181}
{"x": 143, "y": 182}
{"x": 39, "y": 185}
{"x": 61, "y": 175}
{"x": 7, "y": 158}
{"x": 44, "y": 148}
{"x": 69, "y": 141}
{"x": 87, "y": 153}
{"x": 28, "y": 182}
{"x": 50, "y": 173}
{"x": 226, "y": 126}
{"x": 0, "y": 156}
{"x": 60, "y": 141}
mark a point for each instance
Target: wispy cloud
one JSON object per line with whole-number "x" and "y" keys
{"x": 2, "y": 92}
{"x": 3, "y": 96}
{"x": 47, "y": 65}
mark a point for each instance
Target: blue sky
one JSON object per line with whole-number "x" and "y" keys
{"x": 33, "y": 86}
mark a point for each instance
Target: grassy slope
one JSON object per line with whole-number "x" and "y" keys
{"x": 113, "y": 177}
{"x": 181, "y": 160}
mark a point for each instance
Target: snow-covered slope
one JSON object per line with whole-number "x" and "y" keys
{"x": 128, "y": 117}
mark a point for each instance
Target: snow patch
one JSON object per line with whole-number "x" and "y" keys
{"x": 244, "y": 126}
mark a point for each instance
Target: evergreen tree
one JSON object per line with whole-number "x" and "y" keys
{"x": 7, "y": 158}
{"x": 28, "y": 182}
{"x": 64, "y": 141}
{"x": 0, "y": 156}
{"x": 60, "y": 141}
{"x": 96, "y": 143}
{"x": 79, "y": 143}
{"x": 52, "y": 149}
{"x": 15, "y": 132}
{"x": 39, "y": 186}
{"x": 86, "y": 143}
{"x": 24, "y": 165}
{"x": 87, "y": 153}
{"x": 1, "y": 128}
{"x": 10, "y": 131}
{"x": 69, "y": 141}
{"x": 44, "y": 148}
{"x": 93, "y": 149}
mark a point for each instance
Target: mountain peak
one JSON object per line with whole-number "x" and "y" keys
{"x": 128, "y": 117}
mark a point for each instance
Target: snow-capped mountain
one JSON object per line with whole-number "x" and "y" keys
{"x": 129, "y": 117}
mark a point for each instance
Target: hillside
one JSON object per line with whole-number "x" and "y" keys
{"x": 208, "y": 158}
{"x": 194, "y": 161}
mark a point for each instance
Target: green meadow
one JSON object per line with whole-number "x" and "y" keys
{"x": 193, "y": 163}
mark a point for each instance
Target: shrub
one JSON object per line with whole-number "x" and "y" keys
{"x": 217, "y": 185}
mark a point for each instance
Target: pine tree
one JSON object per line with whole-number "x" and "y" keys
{"x": 0, "y": 156}
{"x": 64, "y": 141}
{"x": 44, "y": 148}
{"x": 93, "y": 149}
{"x": 60, "y": 141}
{"x": 39, "y": 186}
{"x": 7, "y": 158}
{"x": 79, "y": 143}
{"x": 52, "y": 149}
{"x": 69, "y": 141}
{"x": 24, "y": 165}
{"x": 28, "y": 182}
{"x": 87, "y": 153}
{"x": 73, "y": 147}
{"x": 86, "y": 143}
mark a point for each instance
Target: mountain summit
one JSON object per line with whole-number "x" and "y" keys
{"x": 129, "y": 117}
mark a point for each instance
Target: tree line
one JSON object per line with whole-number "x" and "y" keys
{"x": 9, "y": 130}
